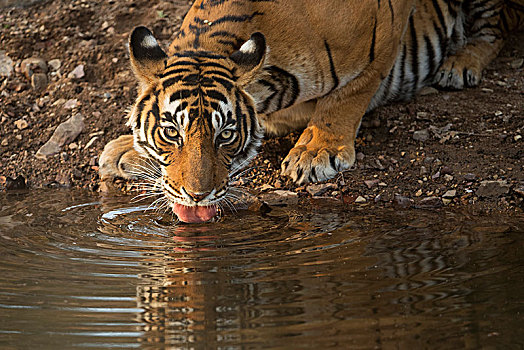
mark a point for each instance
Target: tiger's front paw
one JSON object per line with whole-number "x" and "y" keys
{"x": 317, "y": 160}
{"x": 458, "y": 72}
{"x": 120, "y": 159}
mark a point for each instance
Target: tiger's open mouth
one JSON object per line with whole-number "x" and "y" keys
{"x": 195, "y": 214}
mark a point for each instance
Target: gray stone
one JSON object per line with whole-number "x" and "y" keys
{"x": 450, "y": 194}
{"x": 492, "y": 188}
{"x": 421, "y": 135}
{"x": 55, "y": 64}
{"x": 39, "y": 81}
{"x": 319, "y": 189}
{"x": 469, "y": 177}
{"x": 403, "y": 202}
{"x": 360, "y": 200}
{"x": 77, "y": 73}
{"x": 65, "y": 133}
{"x": 371, "y": 183}
{"x": 6, "y": 65}
{"x": 429, "y": 203}
{"x": 33, "y": 65}
{"x": 70, "y": 104}
{"x": 519, "y": 62}
{"x": 428, "y": 90}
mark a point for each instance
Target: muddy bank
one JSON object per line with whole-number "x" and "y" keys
{"x": 446, "y": 148}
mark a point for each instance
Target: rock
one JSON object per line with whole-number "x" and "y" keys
{"x": 402, "y": 201}
{"x": 421, "y": 135}
{"x": 265, "y": 187}
{"x": 21, "y": 124}
{"x": 64, "y": 134}
{"x": 259, "y": 206}
{"x": 436, "y": 175}
{"x": 448, "y": 177}
{"x": 517, "y": 137}
{"x": 371, "y": 183}
{"x": 70, "y": 104}
{"x": 418, "y": 193}
{"x": 428, "y": 90}
{"x": 6, "y": 64}
{"x": 470, "y": 177}
{"x": 429, "y": 203}
{"x": 446, "y": 170}
{"x": 15, "y": 184}
{"x": 55, "y": 64}
{"x": 450, "y": 194}
{"x": 492, "y": 188}
{"x": 516, "y": 64}
{"x": 90, "y": 142}
{"x": 33, "y": 65}
{"x": 423, "y": 115}
{"x": 4, "y": 142}
{"x": 360, "y": 156}
{"x": 39, "y": 81}
{"x": 279, "y": 198}
{"x": 423, "y": 170}
{"x": 77, "y": 73}
{"x": 519, "y": 190}
{"x": 446, "y": 201}
{"x": 319, "y": 189}
{"x": 360, "y": 200}
{"x": 284, "y": 193}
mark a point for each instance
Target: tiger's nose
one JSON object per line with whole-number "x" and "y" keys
{"x": 197, "y": 197}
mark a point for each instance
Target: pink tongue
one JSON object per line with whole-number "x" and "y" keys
{"x": 194, "y": 214}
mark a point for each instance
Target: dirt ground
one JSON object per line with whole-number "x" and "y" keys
{"x": 445, "y": 148}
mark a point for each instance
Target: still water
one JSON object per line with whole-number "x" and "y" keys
{"x": 80, "y": 271}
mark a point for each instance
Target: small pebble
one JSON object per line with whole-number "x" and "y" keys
{"x": 77, "y": 73}
{"x": 360, "y": 199}
{"x": 21, "y": 124}
{"x": 421, "y": 135}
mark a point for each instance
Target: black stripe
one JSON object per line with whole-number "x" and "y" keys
{"x": 440, "y": 15}
{"x": 373, "y": 39}
{"x": 392, "y": 11}
{"x": 139, "y": 108}
{"x": 171, "y": 81}
{"x": 216, "y": 95}
{"x": 414, "y": 51}
{"x": 267, "y": 101}
{"x": 174, "y": 71}
{"x": 430, "y": 53}
{"x": 402, "y": 70}
{"x": 331, "y": 67}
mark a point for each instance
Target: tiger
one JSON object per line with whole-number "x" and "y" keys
{"x": 238, "y": 69}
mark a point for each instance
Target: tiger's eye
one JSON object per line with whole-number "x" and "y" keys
{"x": 171, "y": 132}
{"x": 226, "y": 134}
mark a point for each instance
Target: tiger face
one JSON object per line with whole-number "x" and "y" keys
{"x": 194, "y": 119}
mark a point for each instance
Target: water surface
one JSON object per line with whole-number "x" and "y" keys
{"x": 80, "y": 271}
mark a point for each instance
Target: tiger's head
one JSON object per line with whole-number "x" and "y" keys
{"x": 195, "y": 120}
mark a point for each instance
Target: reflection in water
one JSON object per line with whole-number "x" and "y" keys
{"x": 78, "y": 273}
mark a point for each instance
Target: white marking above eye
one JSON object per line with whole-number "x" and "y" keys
{"x": 180, "y": 118}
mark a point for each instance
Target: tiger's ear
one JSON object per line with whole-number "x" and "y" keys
{"x": 249, "y": 58}
{"x": 147, "y": 58}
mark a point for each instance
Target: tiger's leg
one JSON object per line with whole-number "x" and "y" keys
{"x": 120, "y": 159}
{"x": 326, "y": 146}
{"x": 484, "y": 41}
{"x": 286, "y": 120}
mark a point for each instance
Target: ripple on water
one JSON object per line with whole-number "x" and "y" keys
{"x": 83, "y": 271}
